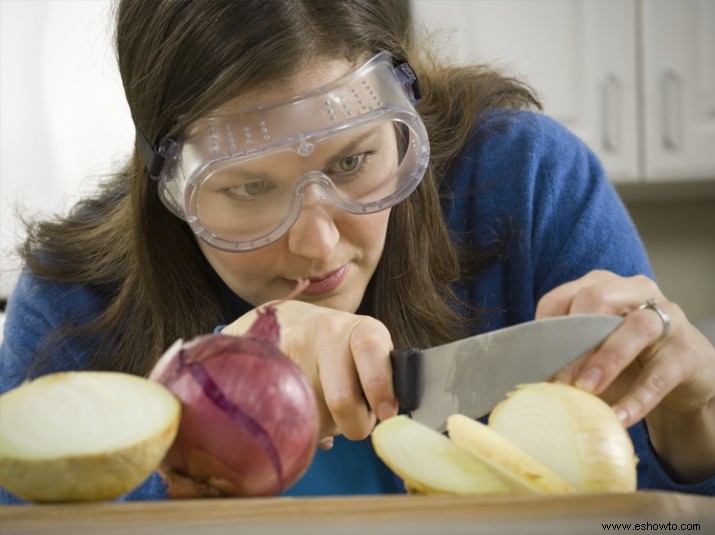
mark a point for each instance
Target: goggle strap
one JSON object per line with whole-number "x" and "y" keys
{"x": 408, "y": 79}
{"x": 153, "y": 160}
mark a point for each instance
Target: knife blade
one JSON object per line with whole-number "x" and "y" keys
{"x": 472, "y": 375}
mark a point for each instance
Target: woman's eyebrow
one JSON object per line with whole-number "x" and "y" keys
{"x": 351, "y": 145}
{"x": 248, "y": 175}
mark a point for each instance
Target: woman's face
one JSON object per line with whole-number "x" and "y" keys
{"x": 335, "y": 250}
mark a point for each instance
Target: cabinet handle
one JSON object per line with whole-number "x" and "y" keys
{"x": 610, "y": 100}
{"x": 671, "y": 111}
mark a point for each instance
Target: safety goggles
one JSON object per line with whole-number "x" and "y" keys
{"x": 241, "y": 177}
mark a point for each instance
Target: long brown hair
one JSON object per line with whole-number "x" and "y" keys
{"x": 180, "y": 58}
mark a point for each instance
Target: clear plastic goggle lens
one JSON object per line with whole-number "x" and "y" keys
{"x": 246, "y": 204}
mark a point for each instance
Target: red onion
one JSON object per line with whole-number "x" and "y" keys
{"x": 250, "y": 422}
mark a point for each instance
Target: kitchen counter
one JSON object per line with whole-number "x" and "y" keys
{"x": 394, "y": 515}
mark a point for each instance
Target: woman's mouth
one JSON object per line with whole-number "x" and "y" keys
{"x": 327, "y": 282}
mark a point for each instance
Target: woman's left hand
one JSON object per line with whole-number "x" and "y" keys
{"x": 648, "y": 367}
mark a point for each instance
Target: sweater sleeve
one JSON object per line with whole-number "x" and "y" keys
{"x": 527, "y": 183}
{"x": 579, "y": 223}
{"x": 35, "y": 310}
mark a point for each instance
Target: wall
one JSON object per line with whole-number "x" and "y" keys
{"x": 679, "y": 236}
{"x": 63, "y": 118}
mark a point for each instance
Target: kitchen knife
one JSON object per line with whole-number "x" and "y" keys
{"x": 471, "y": 376}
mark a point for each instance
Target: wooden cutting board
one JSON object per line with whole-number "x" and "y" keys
{"x": 394, "y": 515}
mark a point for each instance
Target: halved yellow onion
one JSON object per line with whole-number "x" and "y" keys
{"x": 83, "y": 436}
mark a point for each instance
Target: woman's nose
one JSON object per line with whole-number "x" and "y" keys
{"x": 314, "y": 234}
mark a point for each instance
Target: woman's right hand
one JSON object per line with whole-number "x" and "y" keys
{"x": 347, "y": 359}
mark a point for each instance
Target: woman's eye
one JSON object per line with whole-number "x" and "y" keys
{"x": 250, "y": 189}
{"x": 349, "y": 164}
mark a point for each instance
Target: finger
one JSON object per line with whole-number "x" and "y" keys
{"x": 568, "y": 374}
{"x": 341, "y": 389}
{"x": 617, "y": 295}
{"x": 637, "y": 332}
{"x": 344, "y": 400}
{"x": 678, "y": 362}
{"x": 598, "y": 292}
{"x": 326, "y": 443}
{"x": 657, "y": 379}
{"x": 184, "y": 487}
{"x": 371, "y": 344}
{"x": 557, "y": 302}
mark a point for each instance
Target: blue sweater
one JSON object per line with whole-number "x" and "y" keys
{"x": 527, "y": 183}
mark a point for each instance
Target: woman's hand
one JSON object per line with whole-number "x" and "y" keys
{"x": 668, "y": 379}
{"x": 347, "y": 359}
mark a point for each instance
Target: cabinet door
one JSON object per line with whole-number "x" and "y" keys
{"x": 679, "y": 89}
{"x": 579, "y": 55}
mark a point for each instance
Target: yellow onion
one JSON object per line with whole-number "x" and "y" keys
{"x": 83, "y": 436}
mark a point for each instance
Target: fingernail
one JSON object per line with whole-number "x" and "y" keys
{"x": 326, "y": 443}
{"x": 385, "y": 410}
{"x": 589, "y": 379}
{"x": 622, "y": 415}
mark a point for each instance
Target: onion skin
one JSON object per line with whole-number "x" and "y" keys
{"x": 249, "y": 423}
{"x": 86, "y": 478}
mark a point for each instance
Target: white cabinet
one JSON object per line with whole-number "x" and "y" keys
{"x": 679, "y": 88}
{"x": 635, "y": 79}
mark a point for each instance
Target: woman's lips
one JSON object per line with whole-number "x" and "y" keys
{"x": 326, "y": 283}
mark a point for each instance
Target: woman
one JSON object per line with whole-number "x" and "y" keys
{"x": 244, "y": 109}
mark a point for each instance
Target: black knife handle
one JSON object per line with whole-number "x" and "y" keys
{"x": 407, "y": 377}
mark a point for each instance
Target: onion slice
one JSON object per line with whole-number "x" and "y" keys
{"x": 503, "y": 456}
{"x": 431, "y": 463}
{"x": 84, "y": 436}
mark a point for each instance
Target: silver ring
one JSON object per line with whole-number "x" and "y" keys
{"x": 652, "y": 304}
